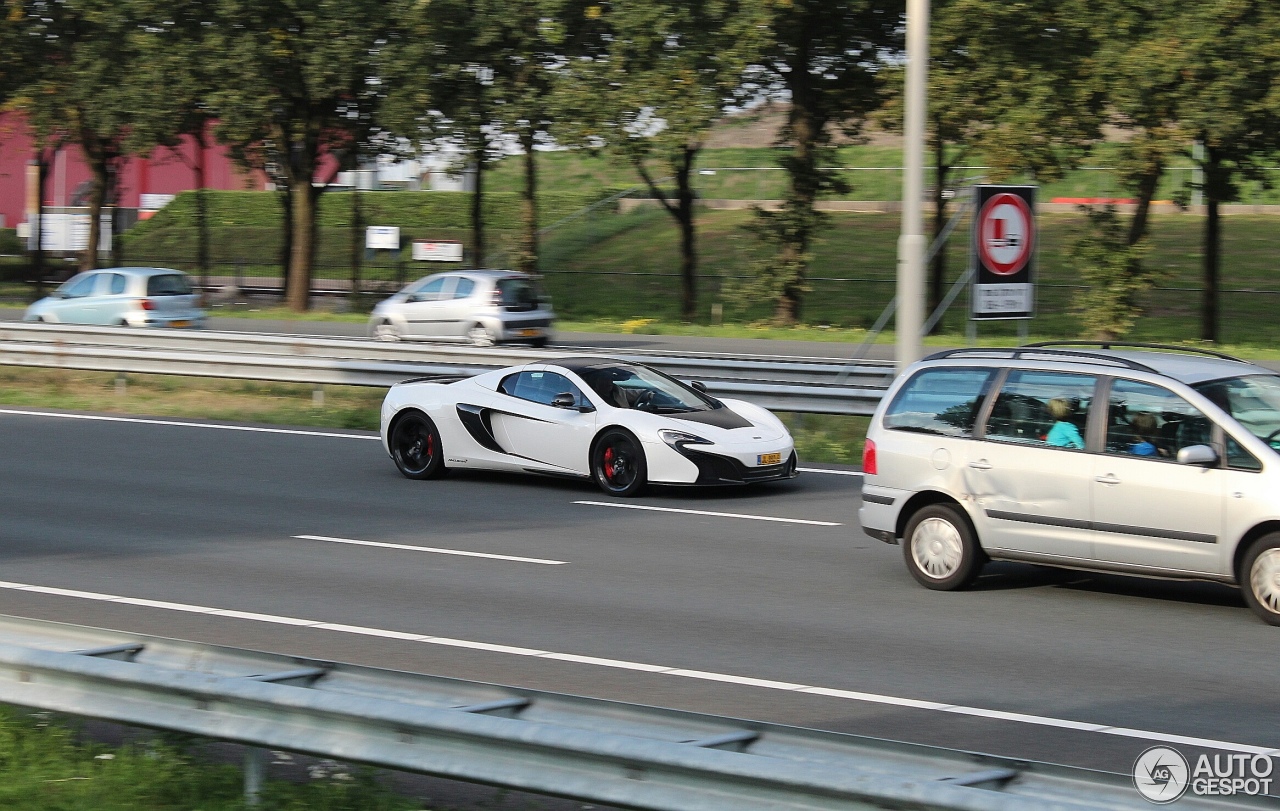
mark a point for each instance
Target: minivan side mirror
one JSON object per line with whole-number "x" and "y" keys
{"x": 1201, "y": 455}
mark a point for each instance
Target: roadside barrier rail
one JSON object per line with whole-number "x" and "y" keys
{"x": 586, "y": 749}
{"x": 812, "y": 385}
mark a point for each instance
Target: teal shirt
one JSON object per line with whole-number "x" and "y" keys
{"x": 1064, "y": 435}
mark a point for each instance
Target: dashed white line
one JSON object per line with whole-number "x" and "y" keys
{"x": 701, "y": 675}
{"x": 431, "y": 549}
{"x": 857, "y": 473}
{"x": 710, "y": 513}
{"x": 143, "y": 421}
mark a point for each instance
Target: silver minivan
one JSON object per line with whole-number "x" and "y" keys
{"x": 126, "y": 297}
{"x": 1127, "y": 458}
{"x": 484, "y": 307}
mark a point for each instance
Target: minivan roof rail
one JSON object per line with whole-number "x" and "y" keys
{"x": 1190, "y": 350}
{"x": 1060, "y": 355}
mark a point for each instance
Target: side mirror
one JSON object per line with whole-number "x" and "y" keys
{"x": 1201, "y": 455}
{"x": 564, "y": 400}
{"x": 698, "y": 385}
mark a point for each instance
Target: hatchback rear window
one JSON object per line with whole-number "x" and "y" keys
{"x": 518, "y": 294}
{"x": 169, "y": 284}
{"x": 940, "y": 401}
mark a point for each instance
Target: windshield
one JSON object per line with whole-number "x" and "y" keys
{"x": 642, "y": 388}
{"x": 1253, "y": 400}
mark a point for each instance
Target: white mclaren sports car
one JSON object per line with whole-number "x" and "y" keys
{"x": 622, "y": 424}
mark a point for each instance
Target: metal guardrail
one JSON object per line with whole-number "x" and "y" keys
{"x": 812, "y": 385}
{"x": 569, "y": 746}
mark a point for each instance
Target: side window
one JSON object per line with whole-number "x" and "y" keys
{"x": 432, "y": 290}
{"x": 1042, "y": 408}
{"x": 1240, "y": 459}
{"x": 542, "y": 387}
{"x": 81, "y": 287}
{"x": 1147, "y": 420}
{"x": 117, "y": 284}
{"x": 940, "y": 401}
{"x": 464, "y": 288}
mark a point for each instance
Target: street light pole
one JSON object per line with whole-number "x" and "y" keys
{"x": 912, "y": 243}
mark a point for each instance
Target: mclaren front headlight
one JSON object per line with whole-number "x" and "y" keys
{"x": 679, "y": 439}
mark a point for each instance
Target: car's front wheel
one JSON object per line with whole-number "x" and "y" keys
{"x": 941, "y": 548}
{"x": 1260, "y": 578}
{"x": 386, "y": 331}
{"x": 415, "y": 446}
{"x": 479, "y": 336}
{"x": 618, "y": 463}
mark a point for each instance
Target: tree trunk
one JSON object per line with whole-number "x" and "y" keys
{"x": 1146, "y": 193}
{"x": 96, "y": 156}
{"x": 44, "y": 157}
{"x": 286, "y": 249}
{"x": 1209, "y": 304}
{"x": 357, "y": 244}
{"x": 302, "y": 244}
{"x": 202, "y": 216}
{"x": 477, "y": 213}
{"x": 527, "y": 258}
{"x": 688, "y": 243}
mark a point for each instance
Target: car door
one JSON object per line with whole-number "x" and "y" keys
{"x": 425, "y": 309}
{"x": 532, "y": 428}
{"x": 1149, "y": 510}
{"x": 78, "y": 303}
{"x": 115, "y": 304}
{"x": 459, "y": 308}
{"x": 1031, "y": 475}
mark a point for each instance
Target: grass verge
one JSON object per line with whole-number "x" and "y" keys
{"x": 44, "y": 766}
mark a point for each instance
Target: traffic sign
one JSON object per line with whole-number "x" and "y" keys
{"x": 1002, "y": 252}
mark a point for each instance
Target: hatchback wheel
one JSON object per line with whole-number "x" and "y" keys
{"x": 618, "y": 464}
{"x": 386, "y": 331}
{"x": 415, "y": 446}
{"x": 941, "y": 549}
{"x": 1260, "y": 578}
{"x": 479, "y": 336}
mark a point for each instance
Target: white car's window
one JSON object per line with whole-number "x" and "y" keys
{"x": 1151, "y": 421}
{"x": 541, "y": 387}
{"x": 80, "y": 286}
{"x": 1252, "y": 400}
{"x": 1042, "y": 408}
{"x": 464, "y": 288}
{"x": 168, "y": 284}
{"x": 940, "y": 401}
{"x": 117, "y": 284}
{"x": 432, "y": 290}
{"x": 645, "y": 389}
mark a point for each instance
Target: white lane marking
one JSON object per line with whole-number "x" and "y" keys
{"x": 142, "y": 421}
{"x": 433, "y": 550}
{"x": 857, "y": 473}
{"x": 765, "y": 684}
{"x": 710, "y": 513}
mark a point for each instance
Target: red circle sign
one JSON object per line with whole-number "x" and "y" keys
{"x": 1006, "y": 234}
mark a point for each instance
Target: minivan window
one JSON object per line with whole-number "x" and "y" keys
{"x": 1252, "y": 400}
{"x": 168, "y": 284}
{"x": 1148, "y": 420}
{"x": 1042, "y": 408}
{"x": 940, "y": 401}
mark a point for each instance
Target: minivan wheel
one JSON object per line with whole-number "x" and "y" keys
{"x": 1260, "y": 578}
{"x": 941, "y": 549}
{"x": 479, "y": 336}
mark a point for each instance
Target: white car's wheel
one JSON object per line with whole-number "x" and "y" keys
{"x": 387, "y": 331}
{"x": 1260, "y": 578}
{"x": 941, "y": 549}
{"x": 479, "y": 336}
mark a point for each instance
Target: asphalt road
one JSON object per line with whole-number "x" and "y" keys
{"x": 698, "y": 605}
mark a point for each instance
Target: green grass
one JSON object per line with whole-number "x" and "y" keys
{"x": 44, "y": 766}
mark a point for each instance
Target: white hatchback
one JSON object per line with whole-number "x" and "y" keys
{"x": 1128, "y": 458}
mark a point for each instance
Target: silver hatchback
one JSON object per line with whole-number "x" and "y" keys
{"x": 484, "y": 307}
{"x": 1134, "y": 459}
{"x": 132, "y": 297}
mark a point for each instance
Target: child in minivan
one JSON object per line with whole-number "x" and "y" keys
{"x": 1064, "y": 433}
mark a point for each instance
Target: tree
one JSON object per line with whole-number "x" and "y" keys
{"x": 78, "y": 95}
{"x": 671, "y": 70}
{"x": 1011, "y": 85}
{"x": 823, "y": 57}
{"x": 1113, "y": 271}
{"x": 296, "y": 86}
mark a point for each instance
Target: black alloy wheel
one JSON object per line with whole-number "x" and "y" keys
{"x": 415, "y": 446}
{"x": 618, "y": 464}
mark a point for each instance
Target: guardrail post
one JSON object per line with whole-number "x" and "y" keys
{"x": 255, "y": 770}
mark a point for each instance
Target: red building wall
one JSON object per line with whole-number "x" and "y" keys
{"x": 164, "y": 172}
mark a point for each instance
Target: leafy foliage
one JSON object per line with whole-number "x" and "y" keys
{"x": 1115, "y": 273}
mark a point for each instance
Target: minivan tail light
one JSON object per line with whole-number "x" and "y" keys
{"x": 869, "y": 458}
{"x": 147, "y": 304}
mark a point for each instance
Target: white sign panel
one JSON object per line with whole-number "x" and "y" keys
{"x": 1002, "y": 299}
{"x": 154, "y": 202}
{"x": 70, "y": 232}
{"x": 425, "y": 251}
{"x": 382, "y": 238}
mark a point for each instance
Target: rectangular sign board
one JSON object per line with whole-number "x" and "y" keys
{"x": 1002, "y": 252}
{"x": 427, "y": 251}
{"x": 382, "y": 238}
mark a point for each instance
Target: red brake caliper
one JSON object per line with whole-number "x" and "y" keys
{"x": 608, "y": 463}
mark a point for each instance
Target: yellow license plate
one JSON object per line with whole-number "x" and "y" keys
{"x": 179, "y": 323}
{"x": 769, "y": 459}
{"x": 528, "y": 333}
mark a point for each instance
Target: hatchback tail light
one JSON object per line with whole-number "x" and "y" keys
{"x": 147, "y": 304}
{"x": 497, "y": 297}
{"x": 869, "y": 458}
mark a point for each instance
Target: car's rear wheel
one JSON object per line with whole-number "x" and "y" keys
{"x": 415, "y": 446}
{"x": 1260, "y": 578}
{"x": 618, "y": 463}
{"x": 941, "y": 548}
{"x": 386, "y": 331}
{"x": 479, "y": 336}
